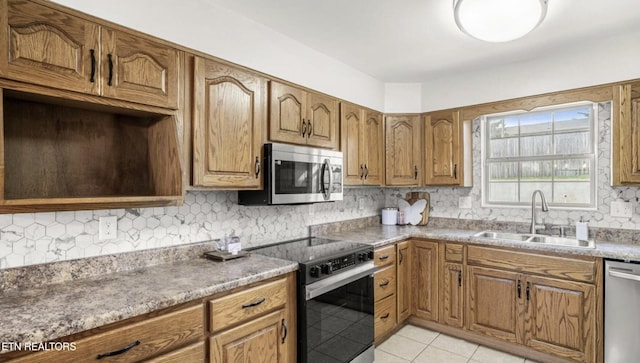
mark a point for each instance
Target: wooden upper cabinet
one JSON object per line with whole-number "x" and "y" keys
{"x": 442, "y": 148}
{"x": 53, "y": 48}
{"x": 361, "y": 144}
{"x": 47, "y": 47}
{"x": 229, "y": 116}
{"x": 139, "y": 70}
{"x": 403, "y": 150}
{"x": 301, "y": 117}
{"x": 626, "y": 134}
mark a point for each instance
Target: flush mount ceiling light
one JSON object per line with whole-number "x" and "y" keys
{"x": 498, "y": 20}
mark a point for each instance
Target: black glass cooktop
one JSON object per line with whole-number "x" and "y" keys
{"x": 309, "y": 250}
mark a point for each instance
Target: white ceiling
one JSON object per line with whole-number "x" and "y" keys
{"x": 417, "y": 40}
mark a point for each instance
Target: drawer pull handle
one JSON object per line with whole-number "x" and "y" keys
{"x": 92, "y": 52}
{"x": 384, "y": 283}
{"x": 120, "y": 351}
{"x": 255, "y": 303}
{"x": 382, "y": 258}
{"x": 110, "y": 59}
{"x": 284, "y": 331}
{"x": 385, "y": 316}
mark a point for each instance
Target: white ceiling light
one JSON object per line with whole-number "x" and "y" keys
{"x": 498, "y": 20}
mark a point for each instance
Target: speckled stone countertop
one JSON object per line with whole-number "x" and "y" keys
{"x": 52, "y": 311}
{"x": 381, "y": 235}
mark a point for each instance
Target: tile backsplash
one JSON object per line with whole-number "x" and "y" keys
{"x": 444, "y": 200}
{"x": 33, "y": 238}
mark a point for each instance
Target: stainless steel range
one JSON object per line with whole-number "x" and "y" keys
{"x": 335, "y": 298}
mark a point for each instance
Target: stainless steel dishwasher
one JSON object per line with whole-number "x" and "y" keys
{"x": 621, "y": 312}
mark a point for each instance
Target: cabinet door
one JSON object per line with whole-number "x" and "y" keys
{"x": 49, "y": 47}
{"x": 288, "y": 109}
{"x": 260, "y": 341}
{"x": 403, "y": 154}
{"x": 229, "y": 116}
{"x": 372, "y": 148}
{"x": 560, "y": 318}
{"x": 493, "y": 304}
{"x": 452, "y": 294}
{"x": 351, "y": 130}
{"x": 322, "y": 121}
{"x": 424, "y": 279}
{"x": 442, "y": 148}
{"x": 139, "y": 70}
{"x": 403, "y": 285}
{"x": 626, "y": 134}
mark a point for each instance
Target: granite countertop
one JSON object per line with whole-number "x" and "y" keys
{"x": 381, "y": 235}
{"x": 56, "y": 310}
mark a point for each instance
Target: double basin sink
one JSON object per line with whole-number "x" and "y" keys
{"x": 535, "y": 238}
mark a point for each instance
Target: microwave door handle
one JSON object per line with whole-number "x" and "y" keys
{"x": 327, "y": 194}
{"x": 324, "y": 192}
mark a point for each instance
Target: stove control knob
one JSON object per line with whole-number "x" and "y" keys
{"x": 314, "y": 271}
{"x": 362, "y": 256}
{"x": 370, "y": 255}
{"x": 327, "y": 269}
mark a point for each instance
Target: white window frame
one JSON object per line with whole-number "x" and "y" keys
{"x": 527, "y": 204}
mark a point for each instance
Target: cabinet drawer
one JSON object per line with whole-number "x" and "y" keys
{"x": 384, "y": 283}
{"x": 191, "y": 354}
{"x": 551, "y": 266}
{"x": 160, "y": 334}
{"x": 385, "y": 256}
{"x": 453, "y": 252}
{"x": 385, "y": 316}
{"x": 247, "y": 304}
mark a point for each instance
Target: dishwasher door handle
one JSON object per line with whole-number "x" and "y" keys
{"x": 623, "y": 274}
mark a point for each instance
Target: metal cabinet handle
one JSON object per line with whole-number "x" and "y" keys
{"x": 110, "y": 60}
{"x": 385, "y": 316}
{"x": 459, "y": 278}
{"x": 401, "y": 256}
{"x": 119, "y": 351}
{"x": 309, "y": 128}
{"x": 382, "y": 258}
{"x": 284, "y": 331}
{"x": 258, "y": 166}
{"x": 255, "y": 303}
{"x": 455, "y": 171}
{"x": 361, "y": 171}
{"x": 519, "y": 289}
{"x": 384, "y": 283}
{"x": 366, "y": 172}
{"x": 415, "y": 172}
{"x": 528, "y": 293}
{"x": 92, "y": 78}
{"x": 304, "y": 128}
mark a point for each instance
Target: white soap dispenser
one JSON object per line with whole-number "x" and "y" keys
{"x": 582, "y": 230}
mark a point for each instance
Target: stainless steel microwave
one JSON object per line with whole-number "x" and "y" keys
{"x": 297, "y": 175}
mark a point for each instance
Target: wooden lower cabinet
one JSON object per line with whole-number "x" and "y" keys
{"x": 259, "y": 341}
{"x": 452, "y": 295}
{"x": 493, "y": 303}
{"x": 194, "y": 353}
{"x": 403, "y": 281}
{"x": 384, "y": 318}
{"x": 424, "y": 262}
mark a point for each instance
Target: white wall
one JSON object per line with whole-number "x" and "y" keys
{"x": 402, "y": 97}
{"x": 201, "y": 25}
{"x": 611, "y": 60}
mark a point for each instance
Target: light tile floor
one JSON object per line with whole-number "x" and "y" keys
{"x": 412, "y": 344}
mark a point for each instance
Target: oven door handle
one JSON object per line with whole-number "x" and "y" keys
{"x": 323, "y": 286}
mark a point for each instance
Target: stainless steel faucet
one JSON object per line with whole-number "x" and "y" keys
{"x": 544, "y": 208}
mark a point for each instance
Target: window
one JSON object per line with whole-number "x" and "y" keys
{"x": 551, "y": 149}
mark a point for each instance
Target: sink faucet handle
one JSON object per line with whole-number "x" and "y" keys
{"x": 562, "y": 230}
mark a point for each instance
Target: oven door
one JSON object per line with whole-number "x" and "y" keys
{"x": 305, "y": 175}
{"x": 336, "y": 318}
